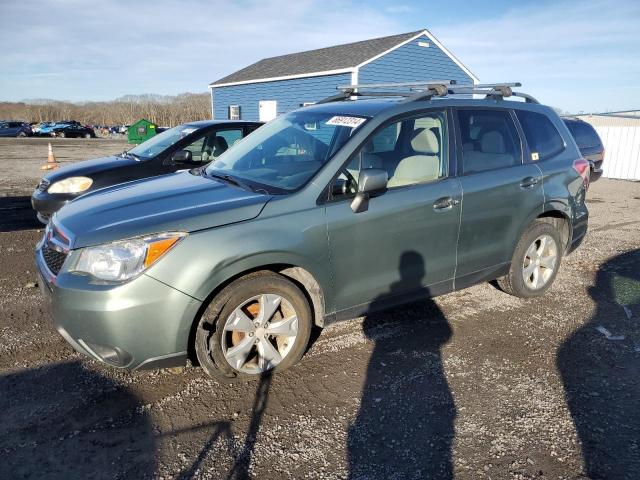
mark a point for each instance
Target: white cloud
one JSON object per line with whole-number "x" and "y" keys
{"x": 577, "y": 56}
{"x": 112, "y": 48}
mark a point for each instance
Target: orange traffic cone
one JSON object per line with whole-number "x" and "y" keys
{"x": 51, "y": 161}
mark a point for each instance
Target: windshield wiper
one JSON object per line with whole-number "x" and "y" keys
{"x": 228, "y": 178}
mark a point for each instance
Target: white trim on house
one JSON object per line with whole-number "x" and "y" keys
{"x": 285, "y": 77}
{"x": 431, "y": 37}
{"x": 354, "y": 70}
{"x": 475, "y": 79}
{"x": 417, "y": 35}
{"x": 354, "y": 76}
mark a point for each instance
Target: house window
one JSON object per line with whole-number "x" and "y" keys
{"x": 234, "y": 112}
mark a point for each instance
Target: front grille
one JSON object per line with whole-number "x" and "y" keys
{"x": 53, "y": 259}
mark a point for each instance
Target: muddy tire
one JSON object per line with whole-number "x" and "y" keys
{"x": 258, "y": 323}
{"x": 535, "y": 262}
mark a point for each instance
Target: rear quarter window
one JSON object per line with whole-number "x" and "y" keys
{"x": 542, "y": 136}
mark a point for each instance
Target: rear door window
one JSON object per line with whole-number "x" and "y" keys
{"x": 490, "y": 140}
{"x": 542, "y": 136}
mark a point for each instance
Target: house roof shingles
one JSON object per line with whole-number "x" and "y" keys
{"x": 323, "y": 59}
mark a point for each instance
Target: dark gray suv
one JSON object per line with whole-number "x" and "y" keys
{"x": 342, "y": 208}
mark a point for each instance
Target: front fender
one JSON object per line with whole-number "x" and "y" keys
{"x": 207, "y": 259}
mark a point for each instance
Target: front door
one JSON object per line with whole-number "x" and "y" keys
{"x": 499, "y": 191}
{"x": 268, "y": 110}
{"x": 404, "y": 244}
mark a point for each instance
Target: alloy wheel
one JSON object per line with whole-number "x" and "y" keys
{"x": 259, "y": 333}
{"x": 539, "y": 262}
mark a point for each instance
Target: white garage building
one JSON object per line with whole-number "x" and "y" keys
{"x": 620, "y": 134}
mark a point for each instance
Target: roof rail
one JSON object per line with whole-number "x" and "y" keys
{"x": 493, "y": 90}
{"x": 427, "y": 89}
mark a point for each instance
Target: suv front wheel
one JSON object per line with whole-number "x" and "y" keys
{"x": 257, "y": 323}
{"x": 535, "y": 262}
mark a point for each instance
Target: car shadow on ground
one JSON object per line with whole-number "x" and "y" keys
{"x": 405, "y": 425}
{"x": 68, "y": 421}
{"x": 600, "y": 370}
{"x": 16, "y": 214}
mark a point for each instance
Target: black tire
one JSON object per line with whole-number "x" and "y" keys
{"x": 210, "y": 328}
{"x": 87, "y": 135}
{"x": 21, "y": 134}
{"x": 62, "y": 135}
{"x": 514, "y": 283}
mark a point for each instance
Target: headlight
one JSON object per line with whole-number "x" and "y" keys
{"x": 71, "y": 185}
{"x": 122, "y": 260}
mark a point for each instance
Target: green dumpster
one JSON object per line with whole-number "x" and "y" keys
{"x": 140, "y": 131}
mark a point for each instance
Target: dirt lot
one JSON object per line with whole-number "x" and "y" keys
{"x": 476, "y": 384}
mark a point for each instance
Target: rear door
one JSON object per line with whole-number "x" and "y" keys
{"x": 500, "y": 191}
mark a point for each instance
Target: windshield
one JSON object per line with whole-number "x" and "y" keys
{"x": 288, "y": 151}
{"x": 162, "y": 141}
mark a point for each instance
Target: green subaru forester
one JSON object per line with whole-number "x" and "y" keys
{"x": 331, "y": 211}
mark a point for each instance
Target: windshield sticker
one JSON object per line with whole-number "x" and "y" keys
{"x": 342, "y": 121}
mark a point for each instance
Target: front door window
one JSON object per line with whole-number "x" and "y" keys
{"x": 213, "y": 144}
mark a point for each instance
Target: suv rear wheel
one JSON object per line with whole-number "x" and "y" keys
{"x": 257, "y": 323}
{"x": 535, "y": 262}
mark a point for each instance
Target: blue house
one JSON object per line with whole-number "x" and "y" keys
{"x": 279, "y": 84}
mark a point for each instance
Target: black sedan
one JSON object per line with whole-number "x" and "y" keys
{"x": 72, "y": 131}
{"x": 184, "y": 147}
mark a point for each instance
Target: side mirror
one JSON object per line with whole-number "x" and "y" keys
{"x": 182, "y": 156}
{"x": 371, "y": 182}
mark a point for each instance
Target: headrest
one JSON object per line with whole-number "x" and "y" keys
{"x": 424, "y": 141}
{"x": 493, "y": 142}
{"x": 367, "y": 147}
{"x": 417, "y": 168}
{"x": 220, "y": 143}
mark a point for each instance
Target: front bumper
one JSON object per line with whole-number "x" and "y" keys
{"x": 136, "y": 325}
{"x": 46, "y": 204}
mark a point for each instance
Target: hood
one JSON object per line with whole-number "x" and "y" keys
{"x": 89, "y": 167}
{"x": 174, "y": 202}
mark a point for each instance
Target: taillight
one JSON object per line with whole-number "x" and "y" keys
{"x": 581, "y": 166}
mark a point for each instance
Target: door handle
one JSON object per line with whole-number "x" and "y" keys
{"x": 445, "y": 203}
{"x": 529, "y": 182}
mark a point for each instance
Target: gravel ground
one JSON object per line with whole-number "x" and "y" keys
{"x": 473, "y": 385}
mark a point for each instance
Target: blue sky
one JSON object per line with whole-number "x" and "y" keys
{"x": 578, "y": 56}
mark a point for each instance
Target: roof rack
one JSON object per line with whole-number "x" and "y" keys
{"x": 426, "y": 90}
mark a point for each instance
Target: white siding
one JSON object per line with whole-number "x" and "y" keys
{"x": 621, "y": 140}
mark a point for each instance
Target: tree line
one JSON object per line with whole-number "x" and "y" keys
{"x": 163, "y": 110}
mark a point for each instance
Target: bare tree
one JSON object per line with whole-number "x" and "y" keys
{"x": 164, "y": 110}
